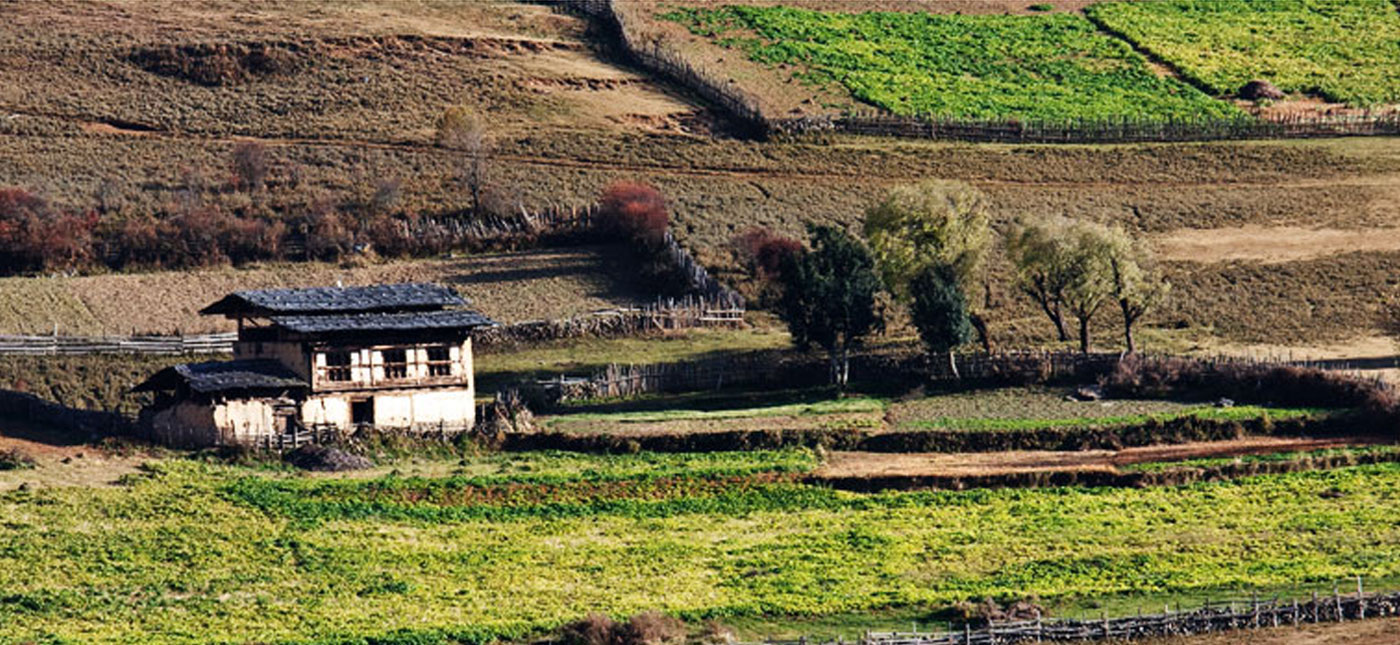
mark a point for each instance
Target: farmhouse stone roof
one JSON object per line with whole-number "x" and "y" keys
{"x": 337, "y": 300}
{"x": 384, "y": 322}
{"x": 224, "y": 376}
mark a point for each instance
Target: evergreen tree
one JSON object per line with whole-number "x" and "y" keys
{"x": 829, "y": 297}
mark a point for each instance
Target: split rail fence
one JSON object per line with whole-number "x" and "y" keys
{"x": 1212, "y": 617}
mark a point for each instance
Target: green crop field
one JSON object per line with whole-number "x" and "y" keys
{"x": 1347, "y": 51}
{"x": 1055, "y": 66}
{"x": 515, "y": 545}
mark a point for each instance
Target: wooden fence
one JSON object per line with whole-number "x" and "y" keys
{"x": 1105, "y": 130}
{"x": 54, "y": 345}
{"x": 649, "y": 51}
{"x": 1212, "y": 617}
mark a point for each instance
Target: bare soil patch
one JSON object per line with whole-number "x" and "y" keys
{"x": 62, "y": 459}
{"x": 1272, "y": 244}
{"x": 873, "y": 464}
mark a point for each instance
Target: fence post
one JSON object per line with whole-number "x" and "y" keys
{"x": 1360, "y": 599}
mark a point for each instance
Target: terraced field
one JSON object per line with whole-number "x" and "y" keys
{"x": 1043, "y": 67}
{"x": 1347, "y": 52}
{"x": 192, "y": 551}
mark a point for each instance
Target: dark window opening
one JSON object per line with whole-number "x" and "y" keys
{"x": 395, "y": 363}
{"x": 337, "y": 366}
{"x": 362, "y": 412}
{"x": 439, "y": 361}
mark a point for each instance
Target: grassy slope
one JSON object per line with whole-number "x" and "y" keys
{"x": 172, "y": 559}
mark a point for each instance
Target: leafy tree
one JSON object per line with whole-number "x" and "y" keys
{"x": 933, "y": 223}
{"x": 1042, "y": 253}
{"x": 463, "y": 130}
{"x": 939, "y": 312}
{"x": 829, "y": 297}
{"x": 1091, "y": 285}
{"x": 1136, "y": 284}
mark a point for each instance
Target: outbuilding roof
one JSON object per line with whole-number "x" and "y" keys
{"x": 338, "y": 300}
{"x": 224, "y": 376}
{"x": 384, "y": 322}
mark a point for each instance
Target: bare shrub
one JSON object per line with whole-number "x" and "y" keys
{"x": 636, "y": 211}
{"x": 593, "y": 629}
{"x": 465, "y": 131}
{"x": 715, "y": 633}
{"x": 989, "y": 610}
{"x": 651, "y": 628}
{"x": 1137, "y": 376}
{"x": 646, "y": 628}
{"x": 388, "y": 192}
{"x": 250, "y": 165}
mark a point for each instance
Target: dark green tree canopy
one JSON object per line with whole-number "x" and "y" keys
{"x": 829, "y": 295}
{"x": 939, "y": 308}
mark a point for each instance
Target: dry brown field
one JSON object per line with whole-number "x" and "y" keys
{"x": 509, "y": 287}
{"x": 1299, "y": 237}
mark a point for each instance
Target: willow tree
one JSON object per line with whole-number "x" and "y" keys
{"x": 934, "y": 223}
{"x": 1135, "y": 282}
{"x": 1042, "y": 252}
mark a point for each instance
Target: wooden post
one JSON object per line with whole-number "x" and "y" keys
{"x": 1337, "y": 599}
{"x": 1360, "y": 599}
{"x": 1314, "y": 607}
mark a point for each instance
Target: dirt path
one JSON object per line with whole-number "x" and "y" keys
{"x": 869, "y": 464}
{"x": 1272, "y": 244}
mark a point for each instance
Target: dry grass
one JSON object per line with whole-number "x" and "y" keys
{"x": 61, "y": 458}
{"x": 510, "y": 287}
{"x": 1271, "y": 245}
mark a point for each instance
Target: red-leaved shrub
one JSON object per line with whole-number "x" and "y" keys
{"x": 764, "y": 251}
{"x": 34, "y": 236}
{"x": 634, "y": 210}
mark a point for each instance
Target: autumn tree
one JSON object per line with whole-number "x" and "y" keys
{"x": 1042, "y": 253}
{"x": 829, "y": 297}
{"x": 1091, "y": 284}
{"x": 464, "y": 131}
{"x": 1136, "y": 283}
{"x": 934, "y": 223}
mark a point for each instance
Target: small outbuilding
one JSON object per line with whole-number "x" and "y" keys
{"x": 325, "y": 361}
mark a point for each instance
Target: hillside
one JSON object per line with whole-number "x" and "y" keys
{"x": 355, "y": 103}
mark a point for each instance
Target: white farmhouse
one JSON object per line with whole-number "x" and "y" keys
{"x": 326, "y": 360}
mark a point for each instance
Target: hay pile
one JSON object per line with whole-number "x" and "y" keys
{"x": 326, "y": 459}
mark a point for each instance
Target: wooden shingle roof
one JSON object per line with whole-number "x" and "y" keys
{"x": 337, "y": 300}
{"x": 225, "y": 376}
{"x": 384, "y": 322}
